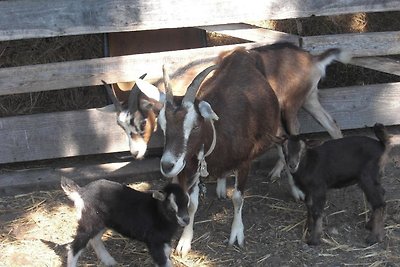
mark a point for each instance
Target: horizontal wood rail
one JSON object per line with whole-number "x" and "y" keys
{"x": 93, "y": 131}
{"x": 53, "y": 76}
{"x": 23, "y": 19}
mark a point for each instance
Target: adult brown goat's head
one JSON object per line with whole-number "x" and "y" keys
{"x": 181, "y": 122}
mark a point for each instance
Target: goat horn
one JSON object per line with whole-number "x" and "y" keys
{"x": 167, "y": 85}
{"x": 195, "y": 85}
{"x": 133, "y": 104}
{"x": 111, "y": 95}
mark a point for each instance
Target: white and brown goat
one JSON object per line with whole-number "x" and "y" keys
{"x": 138, "y": 116}
{"x": 336, "y": 164}
{"x": 226, "y": 125}
{"x": 293, "y": 74}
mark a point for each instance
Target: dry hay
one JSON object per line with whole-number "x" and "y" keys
{"x": 35, "y": 227}
{"x": 51, "y": 50}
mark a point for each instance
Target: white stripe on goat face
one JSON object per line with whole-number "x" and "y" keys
{"x": 137, "y": 144}
{"x": 161, "y": 119}
{"x": 173, "y": 159}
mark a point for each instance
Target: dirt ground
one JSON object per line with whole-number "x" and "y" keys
{"x": 34, "y": 229}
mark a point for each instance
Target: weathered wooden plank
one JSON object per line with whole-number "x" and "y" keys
{"x": 252, "y": 33}
{"x": 23, "y": 181}
{"x": 61, "y": 134}
{"x": 384, "y": 64}
{"x": 71, "y": 74}
{"x": 65, "y": 134}
{"x": 357, "y": 107}
{"x": 126, "y": 68}
{"x": 359, "y": 44}
{"x": 22, "y": 19}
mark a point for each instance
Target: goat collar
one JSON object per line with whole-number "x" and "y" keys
{"x": 202, "y": 165}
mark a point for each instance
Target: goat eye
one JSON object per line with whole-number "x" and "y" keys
{"x": 196, "y": 127}
{"x": 143, "y": 124}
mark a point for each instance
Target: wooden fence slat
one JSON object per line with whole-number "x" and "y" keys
{"x": 28, "y": 180}
{"x": 62, "y": 134}
{"x": 357, "y": 106}
{"x": 74, "y": 133}
{"x": 71, "y": 74}
{"x": 252, "y": 33}
{"x": 359, "y": 44}
{"x": 384, "y": 64}
{"x": 22, "y": 19}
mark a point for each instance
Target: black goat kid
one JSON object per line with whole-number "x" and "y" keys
{"x": 336, "y": 164}
{"x": 152, "y": 218}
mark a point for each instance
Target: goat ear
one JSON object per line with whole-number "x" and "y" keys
{"x": 206, "y": 111}
{"x": 159, "y": 195}
{"x": 279, "y": 140}
{"x": 310, "y": 143}
{"x": 146, "y": 104}
{"x": 108, "y": 109}
{"x": 148, "y": 89}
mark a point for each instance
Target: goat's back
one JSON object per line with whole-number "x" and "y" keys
{"x": 247, "y": 107}
{"x": 290, "y": 70}
{"x": 120, "y": 207}
{"x": 344, "y": 159}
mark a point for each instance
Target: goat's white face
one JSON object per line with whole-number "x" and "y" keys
{"x": 293, "y": 150}
{"x": 177, "y": 124}
{"x": 182, "y": 122}
{"x": 138, "y": 118}
{"x": 135, "y": 126}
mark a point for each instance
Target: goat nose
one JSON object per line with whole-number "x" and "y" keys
{"x": 292, "y": 166}
{"x": 186, "y": 219}
{"x": 134, "y": 153}
{"x": 167, "y": 166}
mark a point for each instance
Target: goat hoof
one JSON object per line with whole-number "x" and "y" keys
{"x": 368, "y": 225}
{"x": 372, "y": 239}
{"x": 239, "y": 238}
{"x": 182, "y": 249}
{"x": 298, "y": 195}
{"x": 313, "y": 242}
{"x": 221, "y": 197}
{"x": 109, "y": 262}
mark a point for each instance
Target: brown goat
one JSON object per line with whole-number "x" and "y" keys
{"x": 293, "y": 74}
{"x": 244, "y": 109}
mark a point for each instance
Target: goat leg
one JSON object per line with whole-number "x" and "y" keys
{"x": 237, "y": 229}
{"x": 184, "y": 244}
{"x": 315, "y": 207}
{"x": 313, "y": 106}
{"x": 377, "y": 226}
{"x": 100, "y": 250}
{"x": 160, "y": 254}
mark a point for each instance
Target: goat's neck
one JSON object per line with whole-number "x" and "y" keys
{"x": 203, "y": 153}
{"x": 304, "y": 158}
{"x": 210, "y": 146}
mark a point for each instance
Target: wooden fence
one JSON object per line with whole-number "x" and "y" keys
{"x": 88, "y": 132}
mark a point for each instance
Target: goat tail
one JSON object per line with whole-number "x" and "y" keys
{"x": 327, "y": 57}
{"x": 70, "y": 187}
